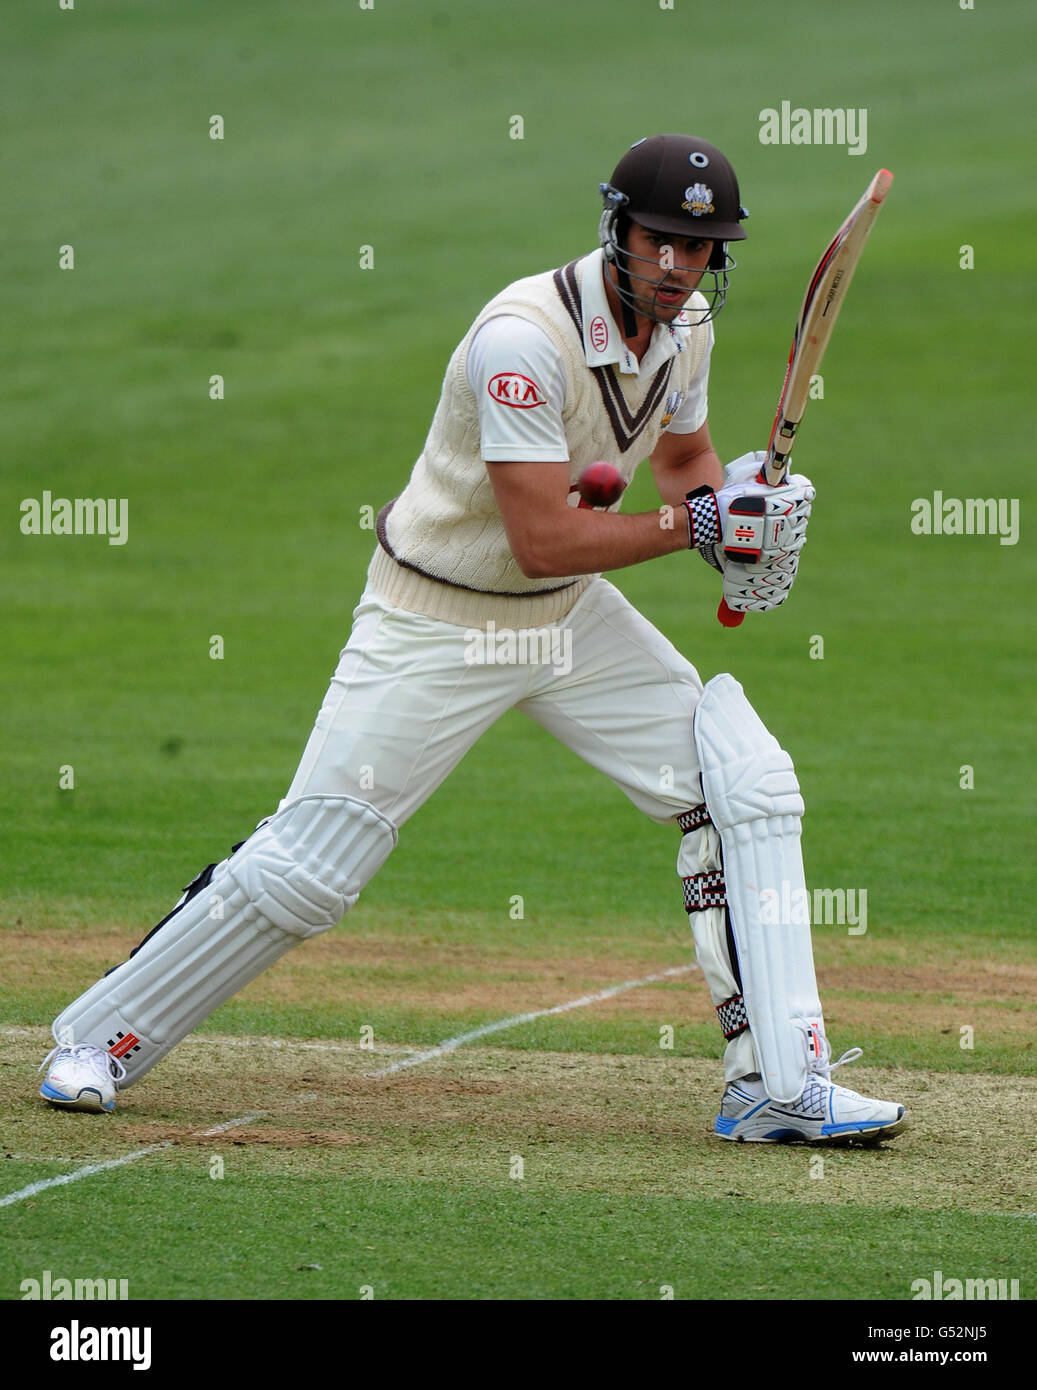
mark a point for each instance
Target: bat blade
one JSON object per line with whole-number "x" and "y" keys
{"x": 825, "y": 293}
{"x": 824, "y": 296}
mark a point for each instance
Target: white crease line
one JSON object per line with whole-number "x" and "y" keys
{"x": 92, "y": 1168}
{"x": 86, "y": 1172}
{"x": 233, "y": 1124}
{"x": 453, "y": 1043}
{"x": 450, "y": 1045}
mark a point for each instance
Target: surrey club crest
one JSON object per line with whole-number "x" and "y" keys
{"x": 698, "y": 199}
{"x": 673, "y": 404}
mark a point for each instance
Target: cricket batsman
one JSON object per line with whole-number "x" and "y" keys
{"x": 606, "y": 359}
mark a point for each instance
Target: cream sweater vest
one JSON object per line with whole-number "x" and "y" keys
{"x": 442, "y": 548}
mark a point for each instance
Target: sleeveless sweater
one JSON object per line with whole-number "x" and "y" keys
{"x": 443, "y": 550}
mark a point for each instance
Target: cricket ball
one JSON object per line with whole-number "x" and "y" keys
{"x": 600, "y": 484}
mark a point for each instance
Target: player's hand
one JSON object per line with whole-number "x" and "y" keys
{"x": 758, "y": 588}
{"x": 745, "y": 469}
{"x": 756, "y": 585}
{"x": 707, "y": 508}
{"x": 748, "y": 521}
{"x": 762, "y": 522}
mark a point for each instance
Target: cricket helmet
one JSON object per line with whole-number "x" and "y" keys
{"x": 677, "y": 184}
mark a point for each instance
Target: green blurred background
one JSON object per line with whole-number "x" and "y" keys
{"x": 390, "y": 127}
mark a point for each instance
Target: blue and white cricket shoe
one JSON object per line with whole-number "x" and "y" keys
{"x": 81, "y": 1077}
{"x": 824, "y": 1113}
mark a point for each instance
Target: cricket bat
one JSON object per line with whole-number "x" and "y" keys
{"x": 826, "y": 290}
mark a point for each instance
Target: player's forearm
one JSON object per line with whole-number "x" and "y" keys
{"x": 579, "y": 541}
{"x": 674, "y": 483}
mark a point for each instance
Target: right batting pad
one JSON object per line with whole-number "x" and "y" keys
{"x": 750, "y": 788}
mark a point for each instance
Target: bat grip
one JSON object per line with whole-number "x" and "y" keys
{"x": 728, "y": 617}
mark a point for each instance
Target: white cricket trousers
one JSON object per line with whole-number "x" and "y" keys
{"x": 411, "y": 695}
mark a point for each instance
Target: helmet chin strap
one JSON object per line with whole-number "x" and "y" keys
{"x": 626, "y": 293}
{"x": 612, "y": 229}
{"x": 719, "y": 265}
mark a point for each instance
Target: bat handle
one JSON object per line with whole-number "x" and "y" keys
{"x": 728, "y": 617}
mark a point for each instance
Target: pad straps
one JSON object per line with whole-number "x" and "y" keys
{"x": 701, "y": 891}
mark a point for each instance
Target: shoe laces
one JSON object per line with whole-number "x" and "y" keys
{"x": 824, "y": 1077}
{"x": 822, "y": 1066}
{"x": 850, "y": 1055}
{"x": 96, "y": 1057}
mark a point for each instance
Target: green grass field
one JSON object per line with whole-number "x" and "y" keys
{"x": 912, "y": 736}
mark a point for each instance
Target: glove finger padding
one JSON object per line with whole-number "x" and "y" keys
{"x": 759, "y": 588}
{"x": 745, "y": 469}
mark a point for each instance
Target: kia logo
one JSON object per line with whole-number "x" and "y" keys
{"x": 514, "y": 389}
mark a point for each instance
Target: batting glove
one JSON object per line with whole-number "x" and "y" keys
{"x": 745, "y": 469}
{"x": 764, "y": 534}
{"x": 747, "y": 521}
{"x": 759, "y": 588}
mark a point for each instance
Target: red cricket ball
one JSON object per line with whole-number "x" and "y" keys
{"x": 600, "y": 484}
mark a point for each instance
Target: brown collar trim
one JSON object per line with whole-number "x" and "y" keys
{"x": 626, "y": 427}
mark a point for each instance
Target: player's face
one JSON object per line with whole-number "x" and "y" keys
{"x": 670, "y": 268}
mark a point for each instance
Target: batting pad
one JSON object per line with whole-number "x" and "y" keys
{"x": 750, "y": 788}
{"x": 295, "y": 877}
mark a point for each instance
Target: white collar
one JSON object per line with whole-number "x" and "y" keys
{"x": 603, "y": 343}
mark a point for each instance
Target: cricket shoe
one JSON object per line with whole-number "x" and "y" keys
{"x": 824, "y": 1114}
{"x": 81, "y": 1077}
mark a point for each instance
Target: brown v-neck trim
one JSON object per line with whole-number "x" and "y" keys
{"x": 625, "y": 427}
